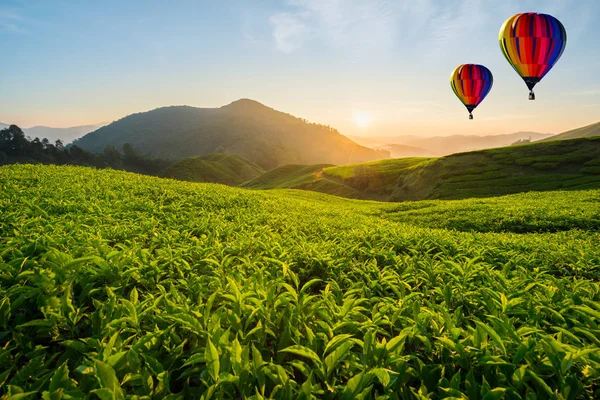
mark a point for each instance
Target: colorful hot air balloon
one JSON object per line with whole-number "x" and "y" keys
{"x": 471, "y": 83}
{"x": 532, "y": 43}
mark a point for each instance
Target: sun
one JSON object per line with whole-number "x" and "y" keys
{"x": 362, "y": 119}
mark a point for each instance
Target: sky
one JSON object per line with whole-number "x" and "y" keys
{"x": 365, "y": 67}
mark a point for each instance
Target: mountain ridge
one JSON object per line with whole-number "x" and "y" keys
{"x": 245, "y": 127}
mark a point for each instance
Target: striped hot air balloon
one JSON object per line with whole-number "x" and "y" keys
{"x": 471, "y": 83}
{"x": 532, "y": 43}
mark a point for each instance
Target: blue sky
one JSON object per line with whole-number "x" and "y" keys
{"x": 366, "y": 67}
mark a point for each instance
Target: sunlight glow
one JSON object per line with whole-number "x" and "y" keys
{"x": 362, "y": 119}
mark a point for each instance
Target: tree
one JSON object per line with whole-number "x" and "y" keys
{"x": 112, "y": 156}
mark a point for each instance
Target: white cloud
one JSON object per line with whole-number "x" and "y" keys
{"x": 289, "y": 31}
{"x": 12, "y": 21}
{"x": 365, "y": 26}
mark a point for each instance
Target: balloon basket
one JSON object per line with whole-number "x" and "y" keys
{"x": 531, "y": 95}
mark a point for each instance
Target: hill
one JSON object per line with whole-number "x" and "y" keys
{"x": 374, "y": 180}
{"x": 121, "y": 286}
{"x": 557, "y": 165}
{"x": 586, "y": 131}
{"x": 305, "y": 177}
{"x": 539, "y": 166}
{"x": 247, "y": 128}
{"x": 446, "y": 145}
{"x": 216, "y": 168}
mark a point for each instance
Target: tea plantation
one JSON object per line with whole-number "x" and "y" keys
{"x": 115, "y": 285}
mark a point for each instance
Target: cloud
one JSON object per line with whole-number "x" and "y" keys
{"x": 289, "y": 31}
{"x": 368, "y": 26}
{"x": 12, "y": 21}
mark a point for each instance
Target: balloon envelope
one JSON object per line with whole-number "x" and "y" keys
{"x": 532, "y": 43}
{"x": 471, "y": 83}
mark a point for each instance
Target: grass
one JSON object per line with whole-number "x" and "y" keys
{"x": 288, "y": 176}
{"x": 116, "y": 285}
{"x": 376, "y": 177}
{"x": 228, "y": 169}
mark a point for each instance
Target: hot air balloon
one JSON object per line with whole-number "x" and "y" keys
{"x": 471, "y": 83}
{"x": 532, "y": 43}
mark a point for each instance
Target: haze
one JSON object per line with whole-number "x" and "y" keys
{"x": 378, "y": 67}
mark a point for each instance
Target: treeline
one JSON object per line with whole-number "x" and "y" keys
{"x": 15, "y": 147}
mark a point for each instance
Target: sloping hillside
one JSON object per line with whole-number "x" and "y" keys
{"x": 556, "y": 165}
{"x": 586, "y": 131}
{"x": 228, "y": 169}
{"x": 374, "y": 180}
{"x": 572, "y": 164}
{"x": 247, "y": 128}
{"x": 124, "y": 286}
{"x": 305, "y": 177}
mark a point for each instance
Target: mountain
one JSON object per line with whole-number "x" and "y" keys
{"x": 404, "y": 151}
{"x": 445, "y": 145}
{"x": 586, "y": 131}
{"x": 67, "y": 135}
{"x": 245, "y": 127}
{"x": 542, "y": 166}
{"x": 228, "y": 169}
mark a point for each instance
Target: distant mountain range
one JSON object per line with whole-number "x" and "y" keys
{"x": 415, "y": 146}
{"x": 260, "y": 134}
{"x": 66, "y": 135}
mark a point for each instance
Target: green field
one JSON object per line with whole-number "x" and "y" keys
{"x": 228, "y": 169}
{"x": 115, "y": 285}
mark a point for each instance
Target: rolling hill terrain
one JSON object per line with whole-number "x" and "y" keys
{"x": 568, "y": 165}
{"x": 118, "y": 285}
{"x": 247, "y": 128}
{"x": 228, "y": 169}
{"x": 586, "y": 131}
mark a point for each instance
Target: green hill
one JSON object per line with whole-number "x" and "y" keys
{"x": 571, "y": 164}
{"x": 586, "y": 131}
{"x": 228, "y": 169}
{"x": 373, "y": 180}
{"x": 260, "y": 134}
{"x": 305, "y": 177}
{"x": 125, "y": 286}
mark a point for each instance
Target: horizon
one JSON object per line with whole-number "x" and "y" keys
{"x": 339, "y": 63}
